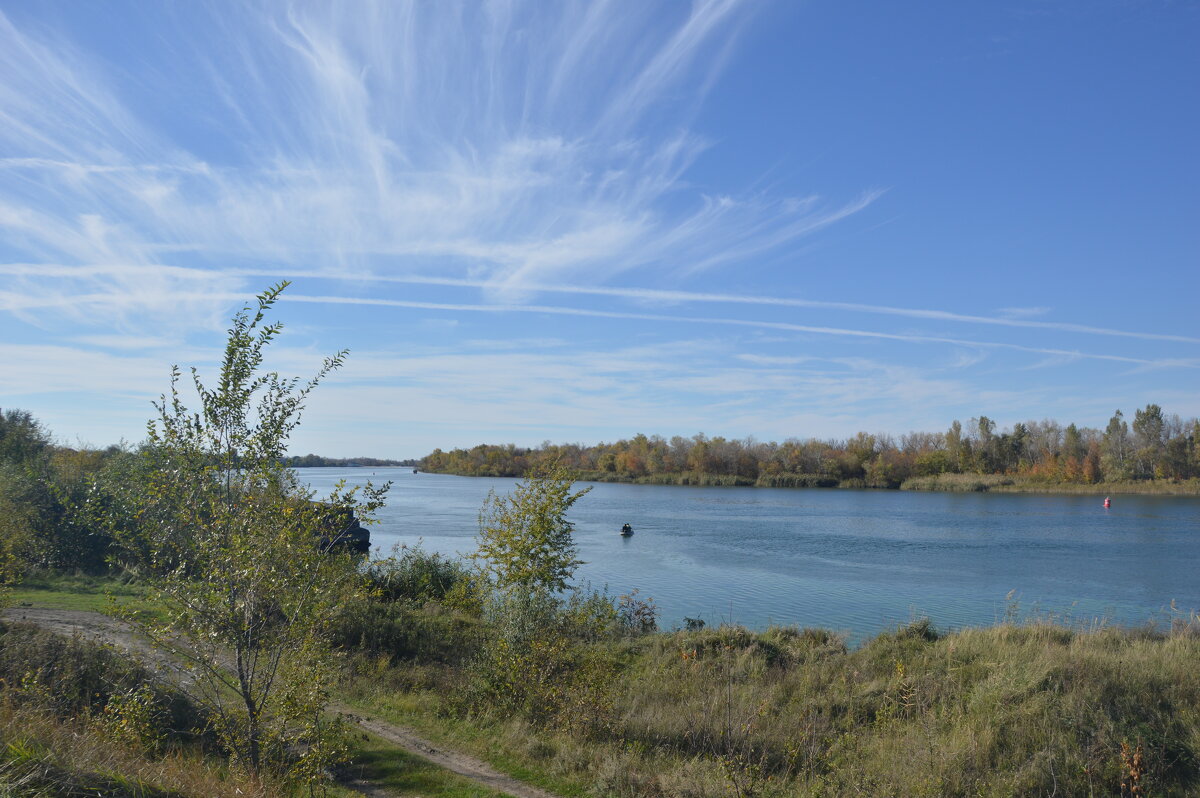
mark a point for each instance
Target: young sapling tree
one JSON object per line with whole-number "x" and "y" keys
{"x": 244, "y": 562}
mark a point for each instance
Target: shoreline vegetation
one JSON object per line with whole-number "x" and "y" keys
{"x": 317, "y": 461}
{"x": 610, "y": 705}
{"x": 947, "y": 483}
{"x": 1156, "y": 453}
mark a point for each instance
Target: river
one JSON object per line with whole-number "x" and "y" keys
{"x": 858, "y": 561}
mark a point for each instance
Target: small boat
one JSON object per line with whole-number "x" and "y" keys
{"x": 626, "y": 531}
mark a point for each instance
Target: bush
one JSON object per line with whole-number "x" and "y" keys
{"x": 542, "y": 657}
{"x": 408, "y": 630}
{"x": 413, "y": 574}
{"x": 74, "y": 677}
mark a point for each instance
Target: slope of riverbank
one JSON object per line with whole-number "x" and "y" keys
{"x": 1020, "y": 708}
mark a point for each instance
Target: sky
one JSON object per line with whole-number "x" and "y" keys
{"x": 578, "y": 221}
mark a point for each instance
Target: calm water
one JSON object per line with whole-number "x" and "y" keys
{"x": 857, "y": 561}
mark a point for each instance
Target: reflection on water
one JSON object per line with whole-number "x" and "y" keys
{"x": 857, "y": 561}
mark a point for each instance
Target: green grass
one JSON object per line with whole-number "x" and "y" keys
{"x": 393, "y": 698}
{"x": 57, "y": 591}
{"x": 374, "y": 760}
{"x": 1014, "y": 709}
{"x": 389, "y": 768}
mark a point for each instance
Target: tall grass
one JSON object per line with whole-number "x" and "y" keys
{"x": 1012, "y": 710}
{"x": 958, "y": 483}
{"x": 44, "y": 755}
{"x": 1147, "y": 487}
{"x": 1015, "y": 709}
{"x": 78, "y": 718}
{"x": 796, "y": 481}
{"x": 1003, "y": 483}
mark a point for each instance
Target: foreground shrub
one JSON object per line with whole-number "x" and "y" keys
{"x": 407, "y": 630}
{"x": 413, "y": 574}
{"x": 72, "y": 677}
{"x": 542, "y": 657}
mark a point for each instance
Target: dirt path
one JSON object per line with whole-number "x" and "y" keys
{"x": 99, "y": 627}
{"x": 466, "y": 766}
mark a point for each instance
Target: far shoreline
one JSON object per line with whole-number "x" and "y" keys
{"x": 941, "y": 483}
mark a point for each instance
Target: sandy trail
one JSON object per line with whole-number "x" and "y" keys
{"x": 93, "y": 625}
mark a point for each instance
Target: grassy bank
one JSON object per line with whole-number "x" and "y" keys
{"x": 999, "y": 483}
{"x": 1008, "y": 710}
{"x": 75, "y": 591}
{"x": 1014, "y": 709}
{"x": 78, "y": 718}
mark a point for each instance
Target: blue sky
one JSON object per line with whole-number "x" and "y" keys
{"x": 580, "y": 221}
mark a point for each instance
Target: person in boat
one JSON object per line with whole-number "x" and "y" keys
{"x": 626, "y": 529}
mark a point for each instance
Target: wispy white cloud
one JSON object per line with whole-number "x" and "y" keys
{"x": 751, "y": 323}
{"x": 21, "y": 302}
{"x": 674, "y": 388}
{"x": 1023, "y": 313}
{"x": 477, "y": 139}
{"x": 655, "y": 297}
{"x": 507, "y": 150}
{"x": 673, "y": 296}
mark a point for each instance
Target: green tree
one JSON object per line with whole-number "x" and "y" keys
{"x": 1073, "y": 447}
{"x": 1117, "y": 448}
{"x": 12, "y": 534}
{"x": 26, "y": 498}
{"x": 956, "y": 448}
{"x": 1148, "y": 429}
{"x": 22, "y": 438}
{"x": 537, "y": 655}
{"x": 986, "y": 456}
{"x": 244, "y": 561}
{"x": 525, "y": 540}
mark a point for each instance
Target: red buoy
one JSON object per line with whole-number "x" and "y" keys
{"x": 1107, "y": 502}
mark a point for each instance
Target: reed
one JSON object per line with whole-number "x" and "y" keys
{"x": 958, "y": 483}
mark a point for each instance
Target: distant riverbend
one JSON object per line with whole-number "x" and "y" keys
{"x": 853, "y": 560}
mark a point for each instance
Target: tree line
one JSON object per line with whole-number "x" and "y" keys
{"x": 1152, "y": 446}
{"x": 317, "y": 461}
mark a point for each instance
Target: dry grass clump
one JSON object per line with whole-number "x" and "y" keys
{"x": 1010, "y": 710}
{"x": 1013, "y": 710}
{"x": 43, "y": 755}
{"x": 82, "y": 719}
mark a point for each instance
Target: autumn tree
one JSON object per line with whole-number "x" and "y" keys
{"x": 245, "y": 565}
